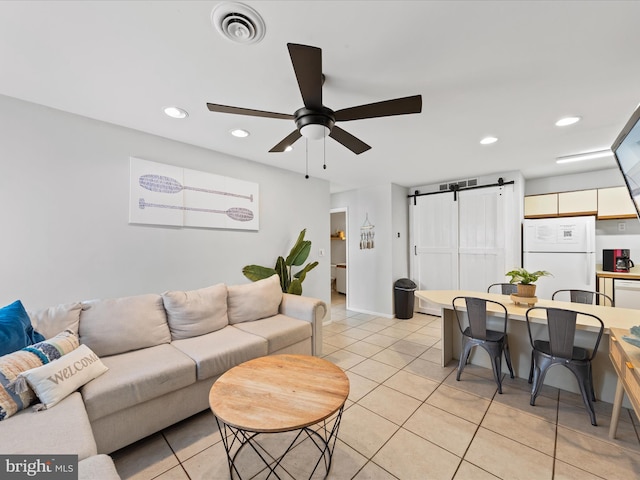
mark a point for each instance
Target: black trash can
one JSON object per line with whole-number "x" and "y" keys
{"x": 403, "y": 292}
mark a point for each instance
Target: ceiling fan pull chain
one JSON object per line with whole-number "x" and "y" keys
{"x": 306, "y": 154}
{"x": 324, "y": 152}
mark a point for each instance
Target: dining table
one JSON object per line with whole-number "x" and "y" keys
{"x": 604, "y": 374}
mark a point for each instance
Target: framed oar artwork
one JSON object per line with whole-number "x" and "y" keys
{"x": 163, "y": 194}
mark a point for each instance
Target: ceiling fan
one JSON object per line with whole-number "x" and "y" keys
{"x": 316, "y": 121}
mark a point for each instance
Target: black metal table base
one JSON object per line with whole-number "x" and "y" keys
{"x": 324, "y": 440}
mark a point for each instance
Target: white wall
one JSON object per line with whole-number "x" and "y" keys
{"x": 64, "y": 188}
{"x": 399, "y": 232}
{"x": 610, "y": 177}
{"x": 371, "y": 272}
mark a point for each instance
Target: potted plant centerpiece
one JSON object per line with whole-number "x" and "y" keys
{"x": 526, "y": 280}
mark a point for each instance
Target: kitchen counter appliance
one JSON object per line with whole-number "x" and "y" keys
{"x": 616, "y": 260}
{"x": 626, "y": 293}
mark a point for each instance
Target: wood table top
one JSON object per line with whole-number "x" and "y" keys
{"x": 612, "y": 317}
{"x": 279, "y": 393}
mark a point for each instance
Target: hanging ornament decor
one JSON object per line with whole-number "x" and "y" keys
{"x": 367, "y": 232}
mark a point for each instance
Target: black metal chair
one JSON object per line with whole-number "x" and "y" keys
{"x": 505, "y": 288}
{"x": 584, "y": 296}
{"x": 560, "y": 349}
{"x": 476, "y": 334}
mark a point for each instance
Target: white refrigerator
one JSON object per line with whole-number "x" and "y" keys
{"x": 565, "y": 247}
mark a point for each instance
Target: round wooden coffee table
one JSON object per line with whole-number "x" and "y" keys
{"x": 275, "y": 394}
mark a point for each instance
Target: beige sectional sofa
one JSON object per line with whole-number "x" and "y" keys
{"x": 163, "y": 353}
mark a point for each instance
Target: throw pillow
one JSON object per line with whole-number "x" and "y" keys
{"x": 59, "y": 379}
{"x": 53, "y": 320}
{"x": 119, "y": 325}
{"x": 254, "y": 301}
{"x": 196, "y": 312}
{"x": 30, "y": 357}
{"x": 16, "y": 331}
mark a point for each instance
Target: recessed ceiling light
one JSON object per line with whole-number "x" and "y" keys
{"x": 584, "y": 156}
{"x": 288, "y": 148}
{"x": 488, "y": 140}
{"x": 176, "y": 112}
{"x": 238, "y": 132}
{"x": 563, "y": 122}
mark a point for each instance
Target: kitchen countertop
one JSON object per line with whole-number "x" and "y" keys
{"x": 633, "y": 274}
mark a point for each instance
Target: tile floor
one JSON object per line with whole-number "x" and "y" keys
{"x": 408, "y": 418}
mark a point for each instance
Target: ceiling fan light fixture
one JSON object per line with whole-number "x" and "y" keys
{"x": 314, "y": 131}
{"x": 239, "y": 132}
{"x": 176, "y": 112}
{"x": 488, "y": 140}
{"x": 566, "y": 121}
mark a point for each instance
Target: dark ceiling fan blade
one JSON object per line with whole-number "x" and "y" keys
{"x": 387, "y": 108}
{"x": 288, "y": 140}
{"x": 247, "y": 111}
{"x": 307, "y": 64}
{"x": 354, "y": 144}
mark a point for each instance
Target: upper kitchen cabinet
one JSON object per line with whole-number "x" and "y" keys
{"x": 615, "y": 203}
{"x": 581, "y": 202}
{"x": 541, "y": 206}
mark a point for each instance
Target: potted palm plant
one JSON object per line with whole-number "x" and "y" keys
{"x": 526, "y": 280}
{"x": 289, "y": 282}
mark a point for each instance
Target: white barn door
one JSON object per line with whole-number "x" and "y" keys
{"x": 485, "y": 219}
{"x": 434, "y": 226}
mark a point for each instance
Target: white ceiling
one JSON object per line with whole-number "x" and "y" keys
{"x": 503, "y": 68}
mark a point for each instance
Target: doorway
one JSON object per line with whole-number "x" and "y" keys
{"x": 339, "y": 256}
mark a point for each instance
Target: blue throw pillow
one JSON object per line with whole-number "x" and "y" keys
{"x": 16, "y": 331}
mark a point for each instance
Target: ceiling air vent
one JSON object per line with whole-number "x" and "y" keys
{"x": 238, "y": 23}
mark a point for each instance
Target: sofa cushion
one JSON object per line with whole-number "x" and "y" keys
{"x": 120, "y": 325}
{"x": 196, "y": 312}
{"x": 216, "y": 352}
{"x": 253, "y": 301}
{"x": 16, "y": 331}
{"x": 97, "y": 467}
{"x": 53, "y": 320}
{"x": 63, "y": 430}
{"x": 33, "y": 356}
{"x": 59, "y": 379}
{"x": 280, "y": 331}
{"x": 135, "y": 377}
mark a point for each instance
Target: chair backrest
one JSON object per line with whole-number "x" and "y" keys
{"x": 585, "y": 296}
{"x": 477, "y": 315}
{"x": 505, "y": 288}
{"x": 561, "y": 329}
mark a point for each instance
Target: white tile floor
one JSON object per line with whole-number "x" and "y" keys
{"x": 408, "y": 418}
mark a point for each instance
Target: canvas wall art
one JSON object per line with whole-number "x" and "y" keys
{"x": 163, "y": 194}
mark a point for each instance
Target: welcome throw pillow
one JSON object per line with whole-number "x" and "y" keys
{"x": 56, "y": 380}
{"x": 33, "y": 356}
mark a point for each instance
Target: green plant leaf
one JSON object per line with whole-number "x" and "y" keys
{"x": 300, "y": 251}
{"x": 283, "y": 272}
{"x": 521, "y": 275}
{"x": 256, "y": 272}
{"x": 307, "y": 268}
{"x": 295, "y": 287}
